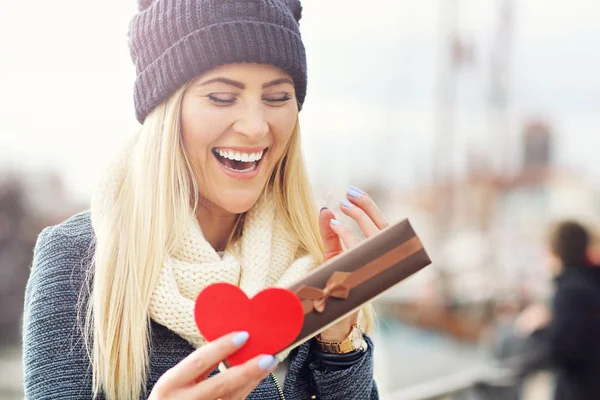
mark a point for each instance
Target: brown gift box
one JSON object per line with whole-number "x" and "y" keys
{"x": 341, "y": 285}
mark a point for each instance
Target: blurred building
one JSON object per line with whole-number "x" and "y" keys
{"x": 28, "y": 203}
{"x": 488, "y": 242}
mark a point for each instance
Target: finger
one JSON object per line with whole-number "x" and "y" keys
{"x": 203, "y": 360}
{"x": 205, "y": 374}
{"x": 361, "y": 199}
{"x": 344, "y": 233}
{"x": 236, "y": 381}
{"x": 243, "y": 393}
{"x": 332, "y": 246}
{"x": 365, "y": 223}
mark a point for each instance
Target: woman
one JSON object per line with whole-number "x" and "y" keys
{"x": 213, "y": 189}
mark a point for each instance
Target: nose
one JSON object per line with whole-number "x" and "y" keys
{"x": 252, "y": 122}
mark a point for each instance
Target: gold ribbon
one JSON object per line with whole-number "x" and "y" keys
{"x": 315, "y": 299}
{"x": 340, "y": 283}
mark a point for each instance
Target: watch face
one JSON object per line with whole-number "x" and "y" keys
{"x": 356, "y": 338}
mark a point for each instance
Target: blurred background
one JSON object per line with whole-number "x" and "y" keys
{"x": 476, "y": 119}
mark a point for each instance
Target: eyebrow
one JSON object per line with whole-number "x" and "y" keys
{"x": 240, "y": 85}
{"x": 277, "y": 82}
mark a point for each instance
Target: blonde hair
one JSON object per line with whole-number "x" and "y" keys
{"x": 132, "y": 240}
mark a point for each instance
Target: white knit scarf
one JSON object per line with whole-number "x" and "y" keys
{"x": 270, "y": 257}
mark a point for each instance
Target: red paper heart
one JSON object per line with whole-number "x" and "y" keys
{"x": 273, "y": 318}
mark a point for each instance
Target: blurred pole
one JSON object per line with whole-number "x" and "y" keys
{"x": 499, "y": 124}
{"x": 443, "y": 170}
{"x": 444, "y": 135}
{"x": 500, "y": 140}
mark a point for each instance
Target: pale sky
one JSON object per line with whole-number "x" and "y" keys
{"x": 66, "y": 84}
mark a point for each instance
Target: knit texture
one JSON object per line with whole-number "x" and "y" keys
{"x": 172, "y": 41}
{"x": 56, "y": 365}
{"x": 270, "y": 257}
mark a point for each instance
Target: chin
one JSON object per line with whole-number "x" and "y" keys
{"x": 238, "y": 203}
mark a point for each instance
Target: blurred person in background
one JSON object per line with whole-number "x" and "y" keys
{"x": 212, "y": 189}
{"x": 569, "y": 330}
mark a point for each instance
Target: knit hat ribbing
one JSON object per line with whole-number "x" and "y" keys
{"x": 172, "y": 41}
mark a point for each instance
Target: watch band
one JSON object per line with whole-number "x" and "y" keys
{"x": 336, "y": 348}
{"x": 348, "y": 345}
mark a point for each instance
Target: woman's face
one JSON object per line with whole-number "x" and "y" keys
{"x": 237, "y": 120}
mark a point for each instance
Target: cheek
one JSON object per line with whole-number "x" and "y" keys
{"x": 200, "y": 129}
{"x": 283, "y": 126}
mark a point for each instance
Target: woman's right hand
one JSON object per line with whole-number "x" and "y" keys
{"x": 188, "y": 379}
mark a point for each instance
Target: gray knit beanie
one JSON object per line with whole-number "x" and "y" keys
{"x": 172, "y": 41}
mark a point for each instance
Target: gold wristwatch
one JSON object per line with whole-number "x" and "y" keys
{"x": 354, "y": 341}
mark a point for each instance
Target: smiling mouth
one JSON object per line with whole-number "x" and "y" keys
{"x": 238, "y": 161}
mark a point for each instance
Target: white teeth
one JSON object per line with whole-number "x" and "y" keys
{"x": 240, "y": 156}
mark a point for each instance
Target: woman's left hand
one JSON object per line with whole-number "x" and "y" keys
{"x": 360, "y": 207}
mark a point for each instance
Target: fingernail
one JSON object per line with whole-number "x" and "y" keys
{"x": 354, "y": 193}
{"x": 240, "y": 338}
{"x": 356, "y": 189}
{"x": 346, "y": 203}
{"x": 335, "y": 222}
{"x": 267, "y": 363}
{"x": 323, "y": 208}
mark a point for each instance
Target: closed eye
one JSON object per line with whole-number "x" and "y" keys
{"x": 278, "y": 99}
{"x": 221, "y": 99}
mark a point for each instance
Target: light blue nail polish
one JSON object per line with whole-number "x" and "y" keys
{"x": 353, "y": 193}
{"x": 267, "y": 363}
{"x": 356, "y": 189}
{"x": 346, "y": 203}
{"x": 335, "y": 222}
{"x": 240, "y": 338}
